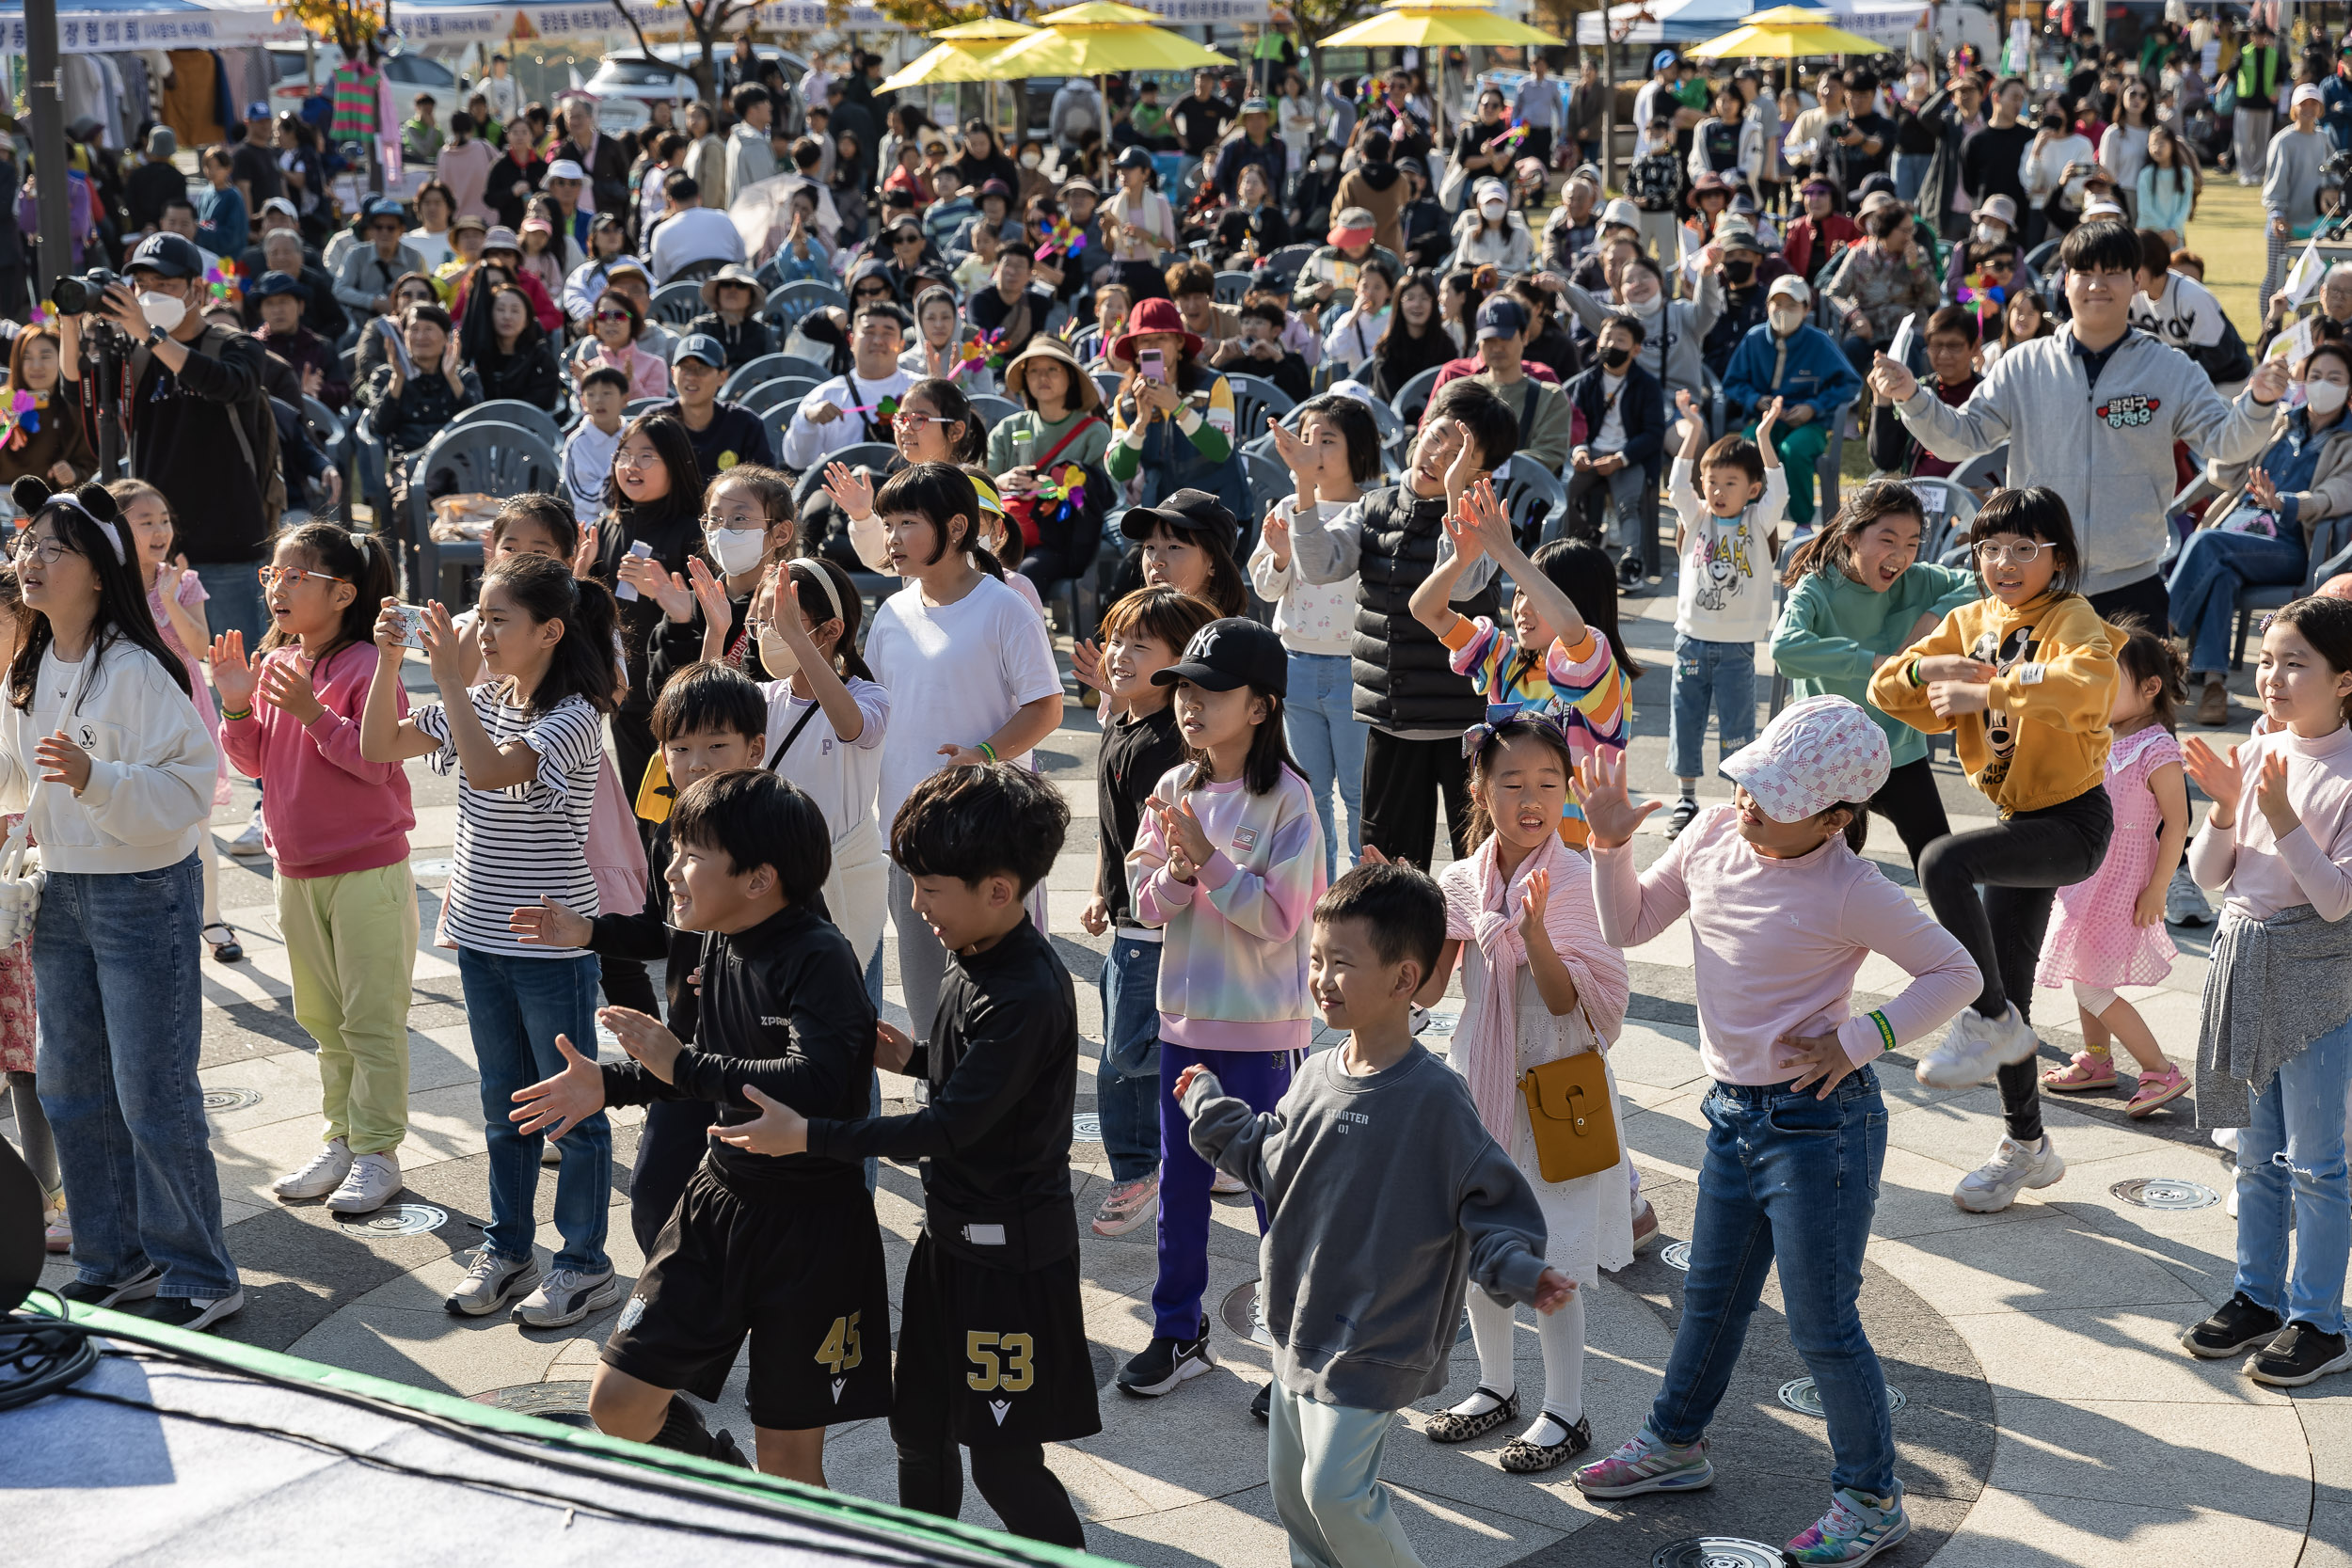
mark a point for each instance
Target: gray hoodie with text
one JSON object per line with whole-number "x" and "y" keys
{"x": 1382, "y": 1194}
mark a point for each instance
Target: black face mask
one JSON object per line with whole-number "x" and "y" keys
{"x": 1615, "y": 358}
{"x": 1739, "y": 272}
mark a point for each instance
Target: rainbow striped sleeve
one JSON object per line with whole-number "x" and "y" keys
{"x": 1588, "y": 682}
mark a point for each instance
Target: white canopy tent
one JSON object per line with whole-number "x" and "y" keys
{"x": 1656, "y": 21}
{"x": 104, "y": 27}
{"x": 456, "y": 20}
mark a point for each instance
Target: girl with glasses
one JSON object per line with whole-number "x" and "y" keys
{"x": 615, "y": 324}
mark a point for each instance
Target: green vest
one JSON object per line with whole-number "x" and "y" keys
{"x": 2257, "y": 77}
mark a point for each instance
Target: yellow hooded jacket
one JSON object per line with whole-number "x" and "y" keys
{"x": 2045, "y": 738}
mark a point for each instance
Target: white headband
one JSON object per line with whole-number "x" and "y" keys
{"x": 824, "y": 580}
{"x": 114, "y": 534}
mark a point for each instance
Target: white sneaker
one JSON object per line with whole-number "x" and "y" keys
{"x": 566, "y": 1296}
{"x": 2184, "y": 901}
{"x": 248, "y": 844}
{"x": 374, "y": 1179}
{"x": 1977, "y": 1047}
{"x": 489, "y": 1281}
{"x": 1995, "y": 1185}
{"x": 322, "y": 1176}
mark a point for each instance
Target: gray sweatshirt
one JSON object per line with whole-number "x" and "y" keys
{"x": 1381, "y": 1193}
{"x": 2291, "y": 171}
{"x": 1674, "y": 335}
{"x": 2109, "y": 452}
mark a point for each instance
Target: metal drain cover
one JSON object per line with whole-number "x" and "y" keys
{"x": 2165, "y": 1192}
{"x": 1677, "y": 1256}
{"x": 231, "y": 1099}
{"x": 1716, "y": 1551}
{"x": 431, "y": 868}
{"x": 1800, "y": 1395}
{"x": 1086, "y": 1127}
{"x": 1440, "y": 1029}
{"x": 401, "y": 1219}
{"x": 566, "y": 1401}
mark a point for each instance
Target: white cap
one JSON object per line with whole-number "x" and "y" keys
{"x": 2000, "y": 208}
{"x": 1621, "y": 213}
{"x": 1491, "y": 190}
{"x": 2101, "y": 210}
{"x": 2306, "y": 94}
{"x": 1791, "y": 287}
{"x": 565, "y": 169}
{"x": 1818, "y": 754}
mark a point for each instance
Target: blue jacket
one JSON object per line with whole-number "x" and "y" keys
{"x": 2335, "y": 111}
{"x": 1815, "y": 371}
{"x": 1640, "y": 403}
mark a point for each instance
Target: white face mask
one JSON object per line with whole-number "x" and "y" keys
{"x": 777, "y": 655}
{"x": 1990, "y": 233}
{"x": 1492, "y": 210}
{"x": 1645, "y": 307}
{"x": 1785, "y": 320}
{"x": 1030, "y": 160}
{"x": 2324, "y": 397}
{"x": 164, "y": 310}
{"x": 737, "y": 549}
{"x": 1326, "y": 164}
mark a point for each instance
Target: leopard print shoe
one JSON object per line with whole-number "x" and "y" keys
{"x": 1523, "y": 1458}
{"x": 1447, "y": 1427}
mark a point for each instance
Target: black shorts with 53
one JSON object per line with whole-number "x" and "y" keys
{"x": 989, "y": 1355}
{"x": 801, "y": 1273}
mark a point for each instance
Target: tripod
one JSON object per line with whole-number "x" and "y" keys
{"x": 105, "y": 374}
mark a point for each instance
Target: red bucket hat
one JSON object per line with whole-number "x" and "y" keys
{"x": 1152, "y": 315}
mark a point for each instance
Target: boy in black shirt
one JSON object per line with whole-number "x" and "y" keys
{"x": 992, "y": 1337}
{"x": 782, "y": 1247}
{"x": 1014, "y": 308}
{"x": 1143, "y": 634}
{"x": 708, "y": 720}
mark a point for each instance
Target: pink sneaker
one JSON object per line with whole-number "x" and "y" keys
{"x": 2086, "y": 1071}
{"x": 2157, "y": 1088}
{"x": 1127, "y": 1207}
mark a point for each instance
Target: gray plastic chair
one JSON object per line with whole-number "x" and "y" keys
{"x": 990, "y": 408}
{"x": 789, "y": 304}
{"x": 1414, "y": 396}
{"x": 1290, "y": 259}
{"x": 643, "y": 405}
{"x": 751, "y": 373}
{"x": 490, "y": 459}
{"x": 1230, "y": 287}
{"x": 675, "y": 303}
{"x": 1256, "y": 400}
{"x": 1109, "y": 381}
{"x": 1534, "y": 498}
{"x": 511, "y": 411}
{"x": 784, "y": 389}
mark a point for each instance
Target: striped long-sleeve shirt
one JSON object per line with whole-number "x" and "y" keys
{"x": 1580, "y": 683}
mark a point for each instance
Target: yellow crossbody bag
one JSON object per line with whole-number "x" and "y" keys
{"x": 1573, "y": 1113}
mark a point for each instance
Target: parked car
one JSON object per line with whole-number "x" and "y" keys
{"x": 292, "y": 81}
{"x": 627, "y": 85}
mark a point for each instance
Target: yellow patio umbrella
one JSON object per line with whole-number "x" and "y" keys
{"x": 1785, "y": 33}
{"x": 963, "y": 54}
{"x": 1095, "y": 38}
{"x": 1420, "y": 23}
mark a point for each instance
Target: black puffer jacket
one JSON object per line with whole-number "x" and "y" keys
{"x": 1403, "y": 679}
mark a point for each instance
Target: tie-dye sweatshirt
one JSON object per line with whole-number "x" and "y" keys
{"x": 1233, "y": 962}
{"x": 1580, "y": 683}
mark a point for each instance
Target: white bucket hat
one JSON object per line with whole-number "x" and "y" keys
{"x": 1820, "y": 752}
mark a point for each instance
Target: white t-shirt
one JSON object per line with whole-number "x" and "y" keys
{"x": 805, "y": 440}
{"x": 840, "y": 776}
{"x": 1610, "y": 436}
{"x": 1309, "y": 617}
{"x": 1726, "y": 589}
{"x": 587, "y": 465}
{"x": 529, "y": 839}
{"x": 696, "y": 234}
{"x": 2186, "y": 316}
{"x": 956, "y": 673}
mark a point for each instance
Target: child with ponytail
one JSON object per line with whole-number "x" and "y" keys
{"x": 337, "y": 828}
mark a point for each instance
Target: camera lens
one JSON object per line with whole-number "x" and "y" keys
{"x": 71, "y": 296}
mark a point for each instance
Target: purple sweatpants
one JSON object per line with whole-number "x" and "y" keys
{"x": 1258, "y": 1079}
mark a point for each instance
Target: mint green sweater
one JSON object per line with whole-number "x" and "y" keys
{"x": 1833, "y": 627}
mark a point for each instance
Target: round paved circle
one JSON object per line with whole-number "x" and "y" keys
{"x": 1716, "y": 1551}
{"x": 568, "y": 1397}
{"x": 433, "y": 867}
{"x": 1086, "y": 1128}
{"x": 399, "y": 1219}
{"x": 1677, "y": 1256}
{"x": 231, "y": 1099}
{"x": 1801, "y": 1395}
{"x": 2169, "y": 1193}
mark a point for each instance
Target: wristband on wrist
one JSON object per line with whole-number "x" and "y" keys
{"x": 242, "y": 713}
{"x": 1887, "y": 1030}
{"x": 1911, "y": 670}
{"x": 987, "y": 751}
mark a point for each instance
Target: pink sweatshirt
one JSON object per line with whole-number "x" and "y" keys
{"x": 2265, "y": 873}
{"x": 1776, "y": 943}
{"x": 325, "y": 809}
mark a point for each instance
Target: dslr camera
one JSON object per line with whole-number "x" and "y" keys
{"x": 1838, "y": 129}
{"x": 79, "y": 296}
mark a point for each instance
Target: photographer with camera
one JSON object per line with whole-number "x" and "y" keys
{"x": 200, "y": 429}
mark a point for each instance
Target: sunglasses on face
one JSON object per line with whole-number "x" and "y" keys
{"x": 611, "y": 315}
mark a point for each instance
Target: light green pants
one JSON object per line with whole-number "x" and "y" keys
{"x": 1801, "y": 448}
{"x": 352, "y": 943}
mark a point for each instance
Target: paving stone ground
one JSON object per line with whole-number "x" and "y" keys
{"x": 2049, "y": 1417}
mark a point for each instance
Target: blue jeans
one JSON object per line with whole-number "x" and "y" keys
{"x": 2290, "y": 1176}
{"x": 2205, "y": 580}
{"x": 115, "y": 994}
{"x": 516, "y": 1007}
{"x": 1796, "y": 1178}
{"x": 1127, "y": 1084}
{"x": 236, "y": 603}
{"x": 1722, "y": 675}
{"x": 1909, "y": 169}
{"x": 1327, "y": 743}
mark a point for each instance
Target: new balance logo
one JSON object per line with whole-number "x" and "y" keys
{"x": 1001, "y": 1407}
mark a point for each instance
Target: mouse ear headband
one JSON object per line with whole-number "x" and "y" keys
{"x": 32, "y": 496}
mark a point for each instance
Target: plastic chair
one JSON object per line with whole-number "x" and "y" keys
{"x": 751, "y": 373}
{"x": 328, "y": 428}
{"x": 677, "y": 303}
{"x": 511, "y": 411}
{"x": 1290, "y": 259}
{"x": 643, "y": 405}
{"x": 1230, "y": 287}
{"x": 1109, "y": 381}
{"x": 776, "y": 418}
{"x": 1414, "y": 396}
{"x": 785, "y": 392}
{"x": 1087, "y": 344}
{"x": 1534, "y": 497}
{"x": 990, "y": 408}
{"x": 789, "y": 304}
{"x": 1256, "y": 399}
{"x": 1948, "y": 509}
{"x": 489, "y": 459}
{"x": 2330, "y": 553}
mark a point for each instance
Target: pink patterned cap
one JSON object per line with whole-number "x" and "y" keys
{"x": 1816, "y": 754}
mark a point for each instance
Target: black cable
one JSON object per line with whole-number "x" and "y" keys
{"x": 40, "y": 1358}
{"x": 553, "y": 1451}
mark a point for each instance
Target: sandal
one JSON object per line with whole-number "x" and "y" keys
{"x": 2086, "y": 1071}
{"x": 2157, "y": 1088}
{"x": 1523, "y": 1458}
{"x": 226, "y": 949}
{"x": 1447, "y": 1427}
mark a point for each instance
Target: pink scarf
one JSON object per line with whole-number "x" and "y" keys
{"x": 1482, "y": 909}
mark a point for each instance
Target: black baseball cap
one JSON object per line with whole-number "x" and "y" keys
{"x": 1187, "y": 511}
{"x": 1231, "y": 653}
{"x": 274, "y": 283}
{"x": 170, "y": 255}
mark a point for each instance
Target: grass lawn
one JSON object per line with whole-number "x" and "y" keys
{"x": 2228, "y": 232}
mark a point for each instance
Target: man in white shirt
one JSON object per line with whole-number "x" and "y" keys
{"x": 851, "y": 409}
{"x": 1541, "y": 105}
{"x": 1657, "y": 96}
{"x": 690, "y": 232}
{"x": 504, "y": 94}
